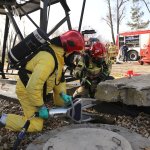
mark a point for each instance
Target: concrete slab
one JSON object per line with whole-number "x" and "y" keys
{"x": 90, "y": 137}
{"x": 130, "y": 91}
{"x": 8, "y": 90}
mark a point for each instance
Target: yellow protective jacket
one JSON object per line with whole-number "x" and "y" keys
{"x": 41, "y": 66}
{"x": 31, "y": 96}
{"x": 112, "y": 51}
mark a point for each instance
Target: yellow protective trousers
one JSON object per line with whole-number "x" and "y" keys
{"x": 16, "y": 122}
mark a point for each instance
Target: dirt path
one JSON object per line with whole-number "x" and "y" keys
{"x": 119, "y": 70}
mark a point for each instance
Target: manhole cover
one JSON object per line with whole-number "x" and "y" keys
{"x": 90, "y": 137}
{"x": 87, "y": 139}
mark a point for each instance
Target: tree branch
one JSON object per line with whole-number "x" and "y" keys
{"x": 146, "y": 5}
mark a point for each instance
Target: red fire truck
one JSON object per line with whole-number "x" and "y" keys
{"x": 139, "y": 44}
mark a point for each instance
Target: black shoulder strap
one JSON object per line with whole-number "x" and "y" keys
{"x": 23, "y": 73}
{"x": 22, "y": 63}
{"x": 47, "y": 48}
{"x": 86, "y": 60}
{"x": 21, "y": 66}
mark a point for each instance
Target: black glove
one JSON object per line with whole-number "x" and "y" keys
{"x": 102, "y": 76}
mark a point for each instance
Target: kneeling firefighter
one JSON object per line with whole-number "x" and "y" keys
{"x": 45, "y": 68}
{"x": 92, "y": 69}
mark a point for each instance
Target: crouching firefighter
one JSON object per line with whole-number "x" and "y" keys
{"x": 44, "y": 69}
{"x": 91, "y": 69}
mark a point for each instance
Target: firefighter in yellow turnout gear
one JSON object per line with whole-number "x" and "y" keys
{"x": 112, "y": 52}
{"x": 41, "y": 66}
{"x": 91, "y": 69}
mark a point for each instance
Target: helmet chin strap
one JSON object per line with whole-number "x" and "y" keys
{"x": 64, "y": 53}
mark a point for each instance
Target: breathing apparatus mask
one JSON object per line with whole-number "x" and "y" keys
{"x": 71, "y": 60}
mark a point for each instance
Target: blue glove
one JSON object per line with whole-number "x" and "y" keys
{"x": 43, "y": 112}
{"x": 67, "y": 98}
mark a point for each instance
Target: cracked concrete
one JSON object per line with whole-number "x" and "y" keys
{"x": 130, "y": 91}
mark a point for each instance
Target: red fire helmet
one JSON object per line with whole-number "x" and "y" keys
{"x": 98, "y": 49}
{"x": 72, "y": 41}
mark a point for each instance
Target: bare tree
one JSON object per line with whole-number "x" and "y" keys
{"x": 120, "y": 9}
{"x": 109, "y": 19}
{"x": 10, "y": 40}
{"x": 0, "y": 40}
{"x": 147, "y": 4}
{"x": 24, "y": 28}
{"x": 112, "y": 19}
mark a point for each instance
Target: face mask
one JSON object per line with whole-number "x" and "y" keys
{"x": 98, "y": 61}
{"x": 69, "y": 60}
{"x": 73, "y": 59}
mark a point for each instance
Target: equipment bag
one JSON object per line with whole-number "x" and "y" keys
{"x": 27, "y": 48}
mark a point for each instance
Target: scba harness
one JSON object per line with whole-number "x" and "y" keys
{"x": 26, "y": 50}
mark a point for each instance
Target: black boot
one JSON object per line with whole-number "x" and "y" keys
{"x": 2, "y": 125}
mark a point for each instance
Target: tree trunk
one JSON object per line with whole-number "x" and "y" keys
{"x": 111, "y": 22}
{"x": 118, "y": 17}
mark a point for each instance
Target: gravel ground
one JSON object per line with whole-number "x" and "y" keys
{"x": 119, "y": 70}
{"x": 7, "y": 137}
{"x": 139, "y": 124}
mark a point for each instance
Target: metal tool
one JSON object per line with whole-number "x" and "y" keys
{"x": 76, "y": 111}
